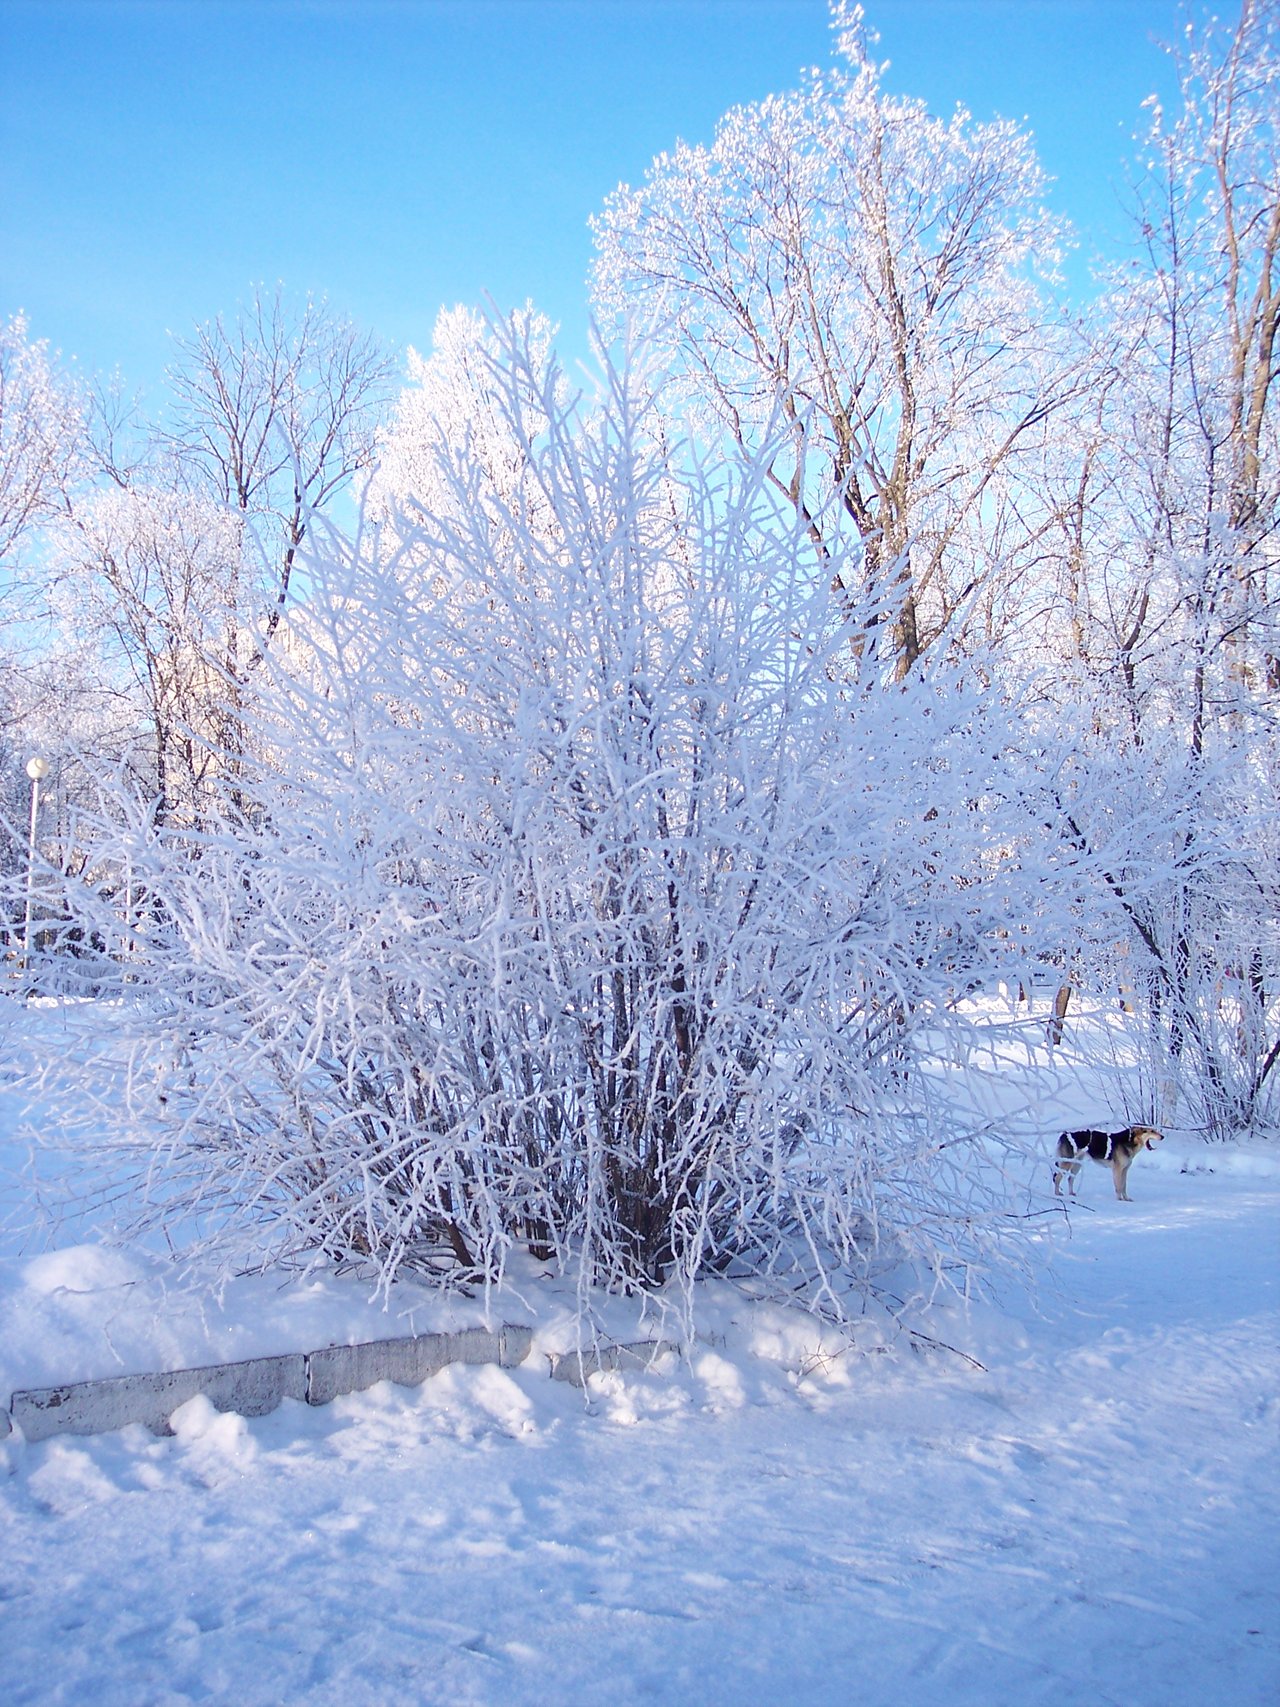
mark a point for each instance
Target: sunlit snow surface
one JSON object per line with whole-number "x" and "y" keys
{"x": 1094, "y": 1517}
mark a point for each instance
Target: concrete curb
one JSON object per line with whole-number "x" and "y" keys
{"x": 351, "y": 1368}
{"x": 256, "y": 1385}
{"x": 575, "y": 1366}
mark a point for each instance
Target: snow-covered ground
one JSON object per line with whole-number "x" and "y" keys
{"x": 1092, "y": 1516}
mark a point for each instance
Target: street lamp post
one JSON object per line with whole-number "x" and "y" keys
{"x": 37, "y": 770}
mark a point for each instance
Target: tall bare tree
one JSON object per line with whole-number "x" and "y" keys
{"x": 183, "y": 558}
{"x": 146, "y": 568}
{"x": 41, "y": 438}
{"x": 1170, "y": 554}
{"x": 274, "y": 412}
{"x": 844, "y": 260}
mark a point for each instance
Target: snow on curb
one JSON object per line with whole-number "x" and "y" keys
{"x": 575, "y": 1366}
{"x": 254, "y": 1386}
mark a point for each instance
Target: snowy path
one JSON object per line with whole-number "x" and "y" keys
{"x": 1094, "y": 1520}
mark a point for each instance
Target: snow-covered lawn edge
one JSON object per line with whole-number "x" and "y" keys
{"x": 1085, "y": 1512}
{"x": 254, "y": 1387}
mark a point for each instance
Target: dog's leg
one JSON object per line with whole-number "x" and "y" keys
{"x": 1065, "y": 1167}
{"x": 1120, "y": 1173}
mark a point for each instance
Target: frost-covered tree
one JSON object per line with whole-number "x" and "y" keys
{"x": 1171, "y": 626}
{"x": 171, "y": 565}
{"x": 42, "y": 462}
{"x": 41, "y": 441}
{"x": 42, "y": 466}
{"x": 591, "y": 895}
{"x": 455, "y": 413}
{"x": 845, "y": 259}
{"x": 273, "y": 414}
{"x": 146, "y": 576}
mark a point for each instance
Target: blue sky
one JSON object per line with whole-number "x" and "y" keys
{"x": 158, "y": 156}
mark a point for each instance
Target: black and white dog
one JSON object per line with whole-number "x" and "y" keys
{"x": 1115, "y": 1149}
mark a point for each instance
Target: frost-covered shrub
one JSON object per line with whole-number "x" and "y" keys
{"x": 587, "y": 893}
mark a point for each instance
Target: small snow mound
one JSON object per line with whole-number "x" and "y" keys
{"x": 193, "y": 1419}
{"x": 69, "y": 1479}
{"x": 79, "y": 1268}
{"x": 217, "y": 1441}
{"x": 801, "y": 1345}
{"x": 1255, "y": 1163}
{"x": 500, "y": 1398}
{"x": 1247, "y": 1159}
{"x": 466, "y": 1402}
{"x": 722, "y": 1381}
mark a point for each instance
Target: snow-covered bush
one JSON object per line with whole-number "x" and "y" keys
{"x": 587, "y": 893}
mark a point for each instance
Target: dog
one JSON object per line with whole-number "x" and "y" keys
{"x": 1117, "y": 1149}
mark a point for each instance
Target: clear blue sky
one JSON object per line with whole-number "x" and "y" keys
{"x": 157, "y": 156}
